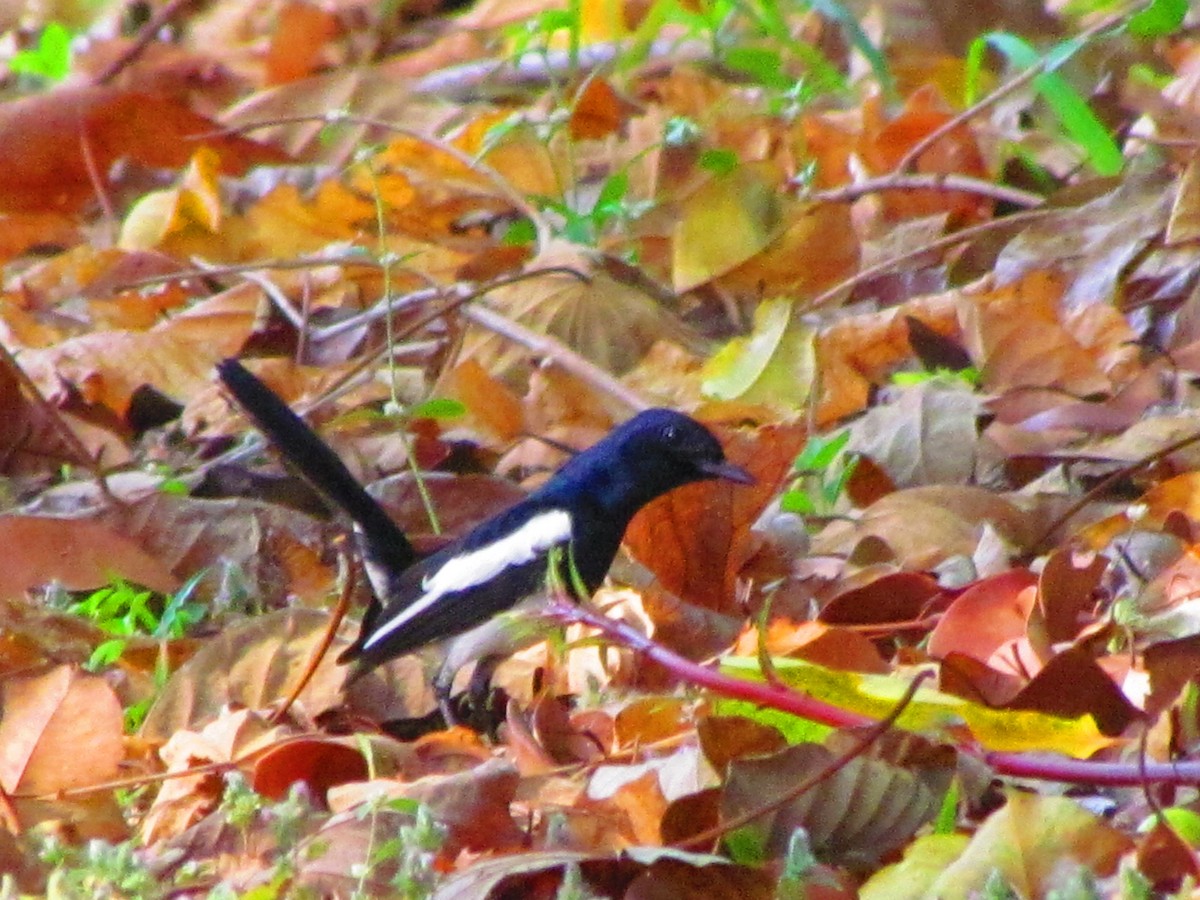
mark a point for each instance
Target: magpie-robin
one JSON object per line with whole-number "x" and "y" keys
{"x": 576, "y": 518}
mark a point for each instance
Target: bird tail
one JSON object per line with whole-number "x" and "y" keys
{"x": 386, "y": 545}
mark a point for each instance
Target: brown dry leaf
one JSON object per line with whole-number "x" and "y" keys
{"x": 1031, "y": 843}
{"x": 60, "y": 141}
{"x": 639, "y": 799}
{"x": 987, "y": 616}
{"x": 639, "y": 793}
{"x": 301, "y": 33}
{"x": 816, "y": 248}
{"x": 867, "y": 807}
{"x": 598, "y": 110}
{"x": 258, "y": 662}
{"x": 923, "y": 526}
{"x": 1090, "y": 246}
{"x": 492, "y": 407}
{"x": 23, "y": 231}
{"x": 176, "y": 358}
{"x": 1178, "y": 494}
{"x": 1073, "y": 684}
{"x": 610, "y": 323}
{"x": 1069, "y": 592}
{"x": 181, "y": 802}
{"x": 884, "y": 144}
{"x": 858, "y": 351}
{"x": 892, "y": 598}
{"x": 697, "y": 538}
{"x": 726, "y": 738}
{"x": 923, "y": 434}
{"x": 1184, "y": 223}
{"x": 661, "y": 871}
{"x": 648, "y": 720}
{"x": 1166, "y": 859}
{"x": 77, "y": 553}
{"x": 473, "y": 806}
{"x": 278, "y": 553}
{"x": 1017, "y": 337}
{"x": 318, "y": 763}
{"x": 46, "y": 719}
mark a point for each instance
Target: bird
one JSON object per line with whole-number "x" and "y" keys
{"x": 573, "y": 524}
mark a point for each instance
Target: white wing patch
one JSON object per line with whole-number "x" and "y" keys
{"x": 472, "y": 569}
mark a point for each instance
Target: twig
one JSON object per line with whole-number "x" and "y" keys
{"x": 346, "y": 576}
{"x": 941, "y": 243}
{"x": 935, "y": 181}
{"x": 1107, "y": 482}
{"x": 1043, "y": 767}
{"x": 146, "y": 34}
{"x": 537, "y": 68}
{"x": 859, "y": 747}
{"x": 1009, "y": 87}
{"x": 556, "y": 352}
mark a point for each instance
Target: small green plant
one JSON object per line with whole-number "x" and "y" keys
{"x": 50, "y": 60}
{"x": 612, "y": 206}
{"x": 821, "y": 472}
{"x": 97, "y": 869}
{"x": 970, "y": 375}
{"x": 124, "y": 610}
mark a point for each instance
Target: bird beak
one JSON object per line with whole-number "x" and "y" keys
{"x": 728, "y": 471}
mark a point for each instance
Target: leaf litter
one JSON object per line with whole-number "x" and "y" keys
{"x": 443, "y": 236}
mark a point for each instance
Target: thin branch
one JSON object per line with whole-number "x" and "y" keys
{"x": 1108, "y": 481}
{"x": 941, "y": 243}
{"x": 935, "y": 181}
{"x": 1011, "y": 86}
{"x": 145, "y": 36}
{"x": 1043, "y": 767}
{"x": 831, "y": 768}
{"x": 556, "y": 352}
{"x": 347, "y": 579}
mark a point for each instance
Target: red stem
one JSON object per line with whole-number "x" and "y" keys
{"x": 778, "y": 696}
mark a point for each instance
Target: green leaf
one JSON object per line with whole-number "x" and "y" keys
{"x": 519, "y": 233}
{"x": 612, "y": 195}
{"x": 765, "y": 66}
{"x": 1072, "y": 111}
{"x": 105, "y": 655}
{"x": 798, "y": 502}
{"x": 438, "y": 408}
{"x": 1160, "y": 18}
{"x": 819, "y": 452}
{"x": 721, "y": 162}
{"x": 838, "y": 12}
{"x": 50, "y": 59}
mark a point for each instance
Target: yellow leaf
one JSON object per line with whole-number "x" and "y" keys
{"x": 1013, "y": 731}
{"x": 773, "y": 365}
{"x": 924, "y": 860}
{"x": 724, "y": 223}
{"x": 192, "y": 205}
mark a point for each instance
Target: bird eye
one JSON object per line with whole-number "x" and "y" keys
{"x": 669, "y": 432}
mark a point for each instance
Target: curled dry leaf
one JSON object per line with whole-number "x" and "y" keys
{"x": 926, "y": 525}
{"x": 868, "y": 806}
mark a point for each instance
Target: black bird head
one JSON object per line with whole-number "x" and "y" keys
{"x": 641, "y": 459}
